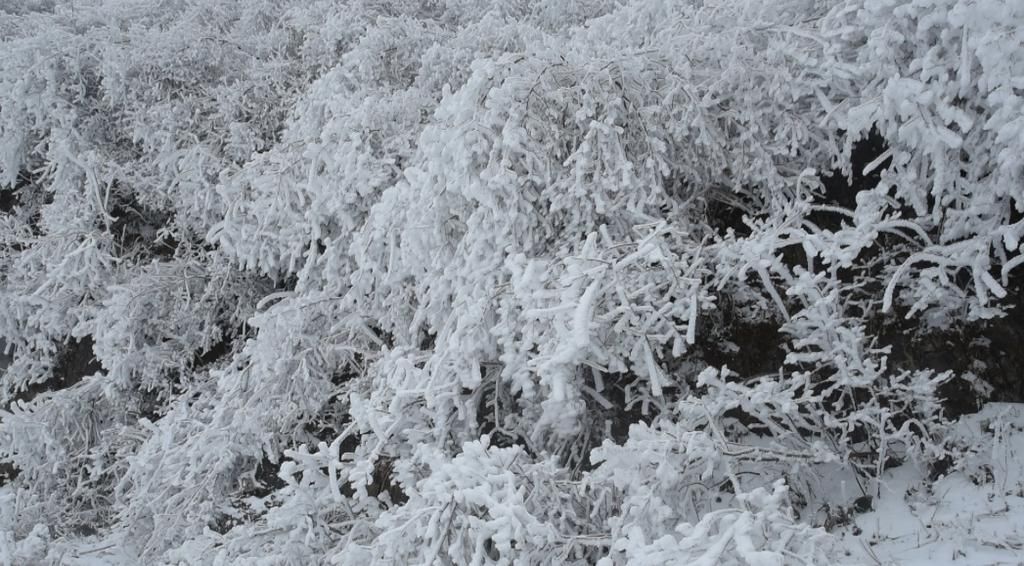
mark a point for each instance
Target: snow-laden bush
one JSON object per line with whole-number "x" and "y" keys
{"x": 487, "y": 282}
{"x": 946, "y": 96}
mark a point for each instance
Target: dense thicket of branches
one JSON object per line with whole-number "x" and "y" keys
{"x": 489, "y": 282}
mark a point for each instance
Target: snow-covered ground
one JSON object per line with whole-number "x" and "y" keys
{"x": 974, "y": 515}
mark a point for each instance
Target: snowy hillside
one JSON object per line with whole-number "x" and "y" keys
{"x": 511, "y": 282}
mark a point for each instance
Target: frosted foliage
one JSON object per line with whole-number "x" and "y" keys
{"x": 948, "y": 102}
{"x": 487, "y": 283}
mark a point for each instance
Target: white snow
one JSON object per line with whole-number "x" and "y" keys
{"x": 972, "y": 516}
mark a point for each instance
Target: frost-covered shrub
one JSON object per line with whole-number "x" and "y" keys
{"x": 413, "y": 281}
{"x": 27, "y": 550}
{"x": 487, "y": 505}
{"x": 946, "y": 99}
